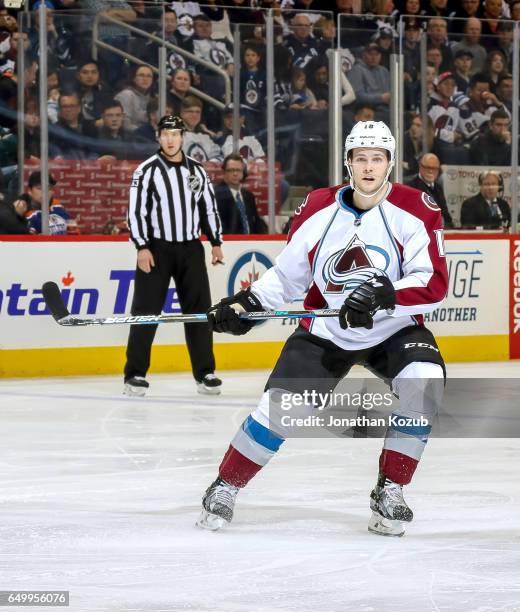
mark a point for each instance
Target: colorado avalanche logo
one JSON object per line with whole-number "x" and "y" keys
{"x": 356, "y": 263}
{"x": 429, "y": 202}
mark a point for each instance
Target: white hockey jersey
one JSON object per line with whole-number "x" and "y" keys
{"x": 332, "y": 249}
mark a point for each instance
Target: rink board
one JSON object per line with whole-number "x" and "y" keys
{"x": 96, "y": 276}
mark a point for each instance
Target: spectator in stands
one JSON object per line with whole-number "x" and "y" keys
{"x": 248, "y": 145}
{"x": 464, "y": 10}
{"x": 495, "y": 68}
{"x": 491, "y": 13}
{"x": 514, "y": 8}
{"x": 8, "y": 63}
{"x": 114, "y": 140}
{"x": 439, "y": 8}
{"x": 8, "y": 22}
{"x": 412, "y": 145}
{"x": 92, "y": 94}
{"x": 174, "y": 59}
{"x": 236, "y": 205}
{"x": 32, "y": 129}
{"x": 72, "y": 136}
{"x": 12, "y": 217}
{"x": 438, "y": 38}
{"x": 384, "y": 38}
{"x": 301, "y": 44}
{"x": 301, "y": 96}
{"x": 147, "y": 133}
{"x": 58, "y": 216}
{"x": 505, "y": 42}
{"x": 434, "y": 57}
{"x": 253, "y": 87}
{"x": 136, "y": 96}
{"x": 493, "y": 147}
{"x": 411, "y": 52}
{"x": 504, "y": 92}
{"x": 462, "y": 63}
{"x": 188, "y": 11}
{"x": 198, "y": 140}
{"x": 318, "y": 71}
{"x": 326, "y": 32}
{"x": 476, "y": 109}
{"x": 112, "y": 34}
{"x": 215, "y": 51}
{"x": 282, "y": 77}
{"x": 445, "y": 116}
{"x": 180, "y": 83}
{"x": 371, "y": 81}
{"x": 60, "y": 41}
{"x": 427, "y": 181}
{"x": 486, "y": 209}
{"x": 364, "y": 112}
{"x": 471, "y": 42}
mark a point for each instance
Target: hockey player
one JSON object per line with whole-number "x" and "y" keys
{"x": 374, "y": 250}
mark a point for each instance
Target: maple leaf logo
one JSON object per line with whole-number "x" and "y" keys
{"x": 68, "y": 280}
{"x": 252, "y": 277}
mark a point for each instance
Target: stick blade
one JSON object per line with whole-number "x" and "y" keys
{"x": 54, "y": 301}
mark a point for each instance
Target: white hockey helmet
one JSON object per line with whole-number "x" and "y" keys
{"x": 370, "y": 134}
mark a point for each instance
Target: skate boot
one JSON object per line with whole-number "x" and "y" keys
{"x": 135, "y": 386}
{"x": 217, "y": 505}
{"x": 389, "y": 510}
{"x": 209, "y": 385}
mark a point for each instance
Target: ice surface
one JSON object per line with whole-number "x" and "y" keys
{"x": 99, "y": 494}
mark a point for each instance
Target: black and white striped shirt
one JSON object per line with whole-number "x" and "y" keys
{"x": 172, "y": 201}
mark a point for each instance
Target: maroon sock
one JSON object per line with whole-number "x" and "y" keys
{"x": 236, "y": 469}
{"x": 396, "y": 466}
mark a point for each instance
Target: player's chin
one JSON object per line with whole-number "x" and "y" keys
{"x": 370, "y": 186}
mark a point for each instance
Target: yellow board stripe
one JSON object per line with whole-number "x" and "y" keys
{"x": 86, "y": 361}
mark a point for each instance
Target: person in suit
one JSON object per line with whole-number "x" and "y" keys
{"x": 236, "y": 205}
{"x": 486, "y": 209}
{"x": 426, "y": 180}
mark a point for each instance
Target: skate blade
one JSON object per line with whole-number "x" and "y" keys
{"x": 203, "y": 390}
{"x": 210, "y": 521}
{"x": 385, "y": 527}
{"x": 132, "y": 391}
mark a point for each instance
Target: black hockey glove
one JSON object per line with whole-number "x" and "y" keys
{"x": 223, "y": 317}
{"x": 365, "y": 300}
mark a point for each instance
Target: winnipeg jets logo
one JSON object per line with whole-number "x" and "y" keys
{"x": 353, "y": 265}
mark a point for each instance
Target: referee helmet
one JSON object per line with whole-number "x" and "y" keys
{"x": 170, "y": 122}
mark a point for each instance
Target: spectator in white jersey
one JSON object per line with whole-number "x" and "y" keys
{"x": 248, "y": 145}
{"x": 445, "y": 117}
{"x": 476, "y": 108}
{"x": 198, "y": 141}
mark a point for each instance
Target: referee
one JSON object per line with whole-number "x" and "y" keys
{"x": 171, "y": 199}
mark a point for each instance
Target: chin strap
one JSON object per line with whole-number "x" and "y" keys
{"x": 362, "y": 193}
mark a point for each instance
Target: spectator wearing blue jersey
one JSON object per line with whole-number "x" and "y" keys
{"x": 253, "y": 88}
{"x": 58, "y": 216}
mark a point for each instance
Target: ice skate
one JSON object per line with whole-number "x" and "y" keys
{"x": 389, "y": 510}
{"x": 217, "y": 505}
{"x": 209, "y": 385}
{"x": 136, "y": 386}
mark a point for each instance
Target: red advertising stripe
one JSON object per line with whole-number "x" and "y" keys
{"x": 514, "y": 298}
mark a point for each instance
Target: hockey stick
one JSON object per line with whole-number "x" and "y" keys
{"x": 57, "y": 308}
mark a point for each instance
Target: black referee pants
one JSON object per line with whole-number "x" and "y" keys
{"x": 185, "y": 263}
